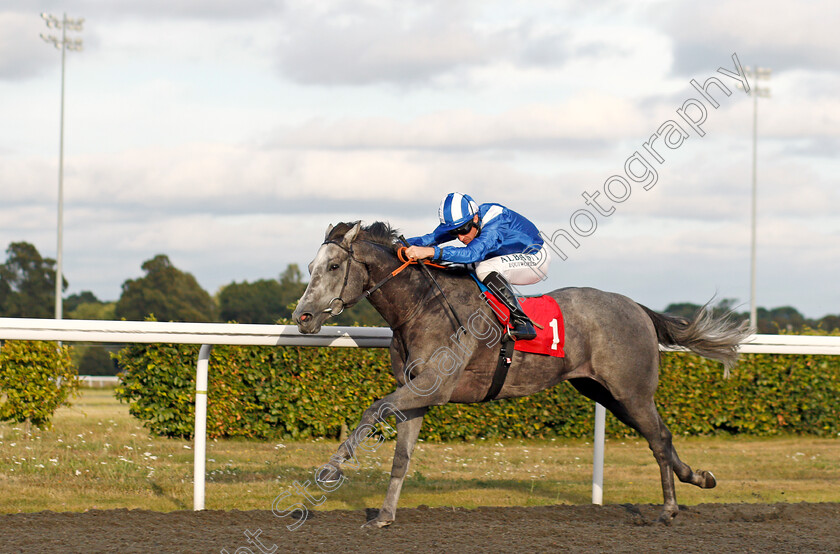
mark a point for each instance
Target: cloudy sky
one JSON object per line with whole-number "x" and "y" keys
{"x": 228, "y": 135}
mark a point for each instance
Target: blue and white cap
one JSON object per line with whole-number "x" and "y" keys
{"x": 455, "y": 210}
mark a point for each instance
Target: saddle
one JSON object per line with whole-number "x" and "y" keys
{"x": 548, "y": 322}
{"x": 544, "y": 313}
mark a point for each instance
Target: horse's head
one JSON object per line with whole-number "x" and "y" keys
{"x": 336, "y": 277}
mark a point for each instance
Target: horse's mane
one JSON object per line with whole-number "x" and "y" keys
{"x": 381, "y": 233}
{"x": 378, "y": 232}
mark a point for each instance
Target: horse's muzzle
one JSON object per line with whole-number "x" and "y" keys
{"x": 306, "y": 323}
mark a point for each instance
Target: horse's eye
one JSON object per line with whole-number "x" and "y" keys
{"x": 333, "y": 267}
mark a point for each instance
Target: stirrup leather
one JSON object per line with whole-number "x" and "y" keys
{"x": 523, "y": 329}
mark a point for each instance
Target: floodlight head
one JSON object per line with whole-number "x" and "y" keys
{"x": 51, "y": 20}
{"x": 75, "y": 24}
{"x": 55, "y": 42}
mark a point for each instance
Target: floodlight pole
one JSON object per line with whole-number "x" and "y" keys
{"x": 63, "y": 45}
{"x": 760, "y": 73}
{"x": 59, "y": 275}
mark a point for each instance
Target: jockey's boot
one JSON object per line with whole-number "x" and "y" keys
{"x": 523, "y": 329}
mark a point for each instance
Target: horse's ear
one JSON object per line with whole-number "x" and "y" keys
{"x": 329, "y": 230}
{"x": 351, "y": 235}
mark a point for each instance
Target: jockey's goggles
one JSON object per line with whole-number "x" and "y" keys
{"x": 463, "y": 229}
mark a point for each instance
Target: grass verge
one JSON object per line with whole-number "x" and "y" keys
{"x": 98, "y": 456}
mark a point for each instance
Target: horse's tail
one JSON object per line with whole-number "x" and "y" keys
{"x": 712, "y": 337}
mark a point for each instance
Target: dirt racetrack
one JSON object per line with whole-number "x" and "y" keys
{"x": 615, "y": 528}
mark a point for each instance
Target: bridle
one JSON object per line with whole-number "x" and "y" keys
{"x": 364, "y": 294}
{"x": 351, "y": 256}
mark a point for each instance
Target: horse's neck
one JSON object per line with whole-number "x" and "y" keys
{"x": 397, "y": 299}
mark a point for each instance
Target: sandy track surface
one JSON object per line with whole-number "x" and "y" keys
{"x": 614, "y": 528}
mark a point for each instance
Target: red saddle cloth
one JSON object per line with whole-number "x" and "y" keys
{"x": 544, "y": 311}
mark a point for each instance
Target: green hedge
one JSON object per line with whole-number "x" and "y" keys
{"x": 35, "y": 379}
{"x": 254, "y": 391}
{"x": 300, "y": 392}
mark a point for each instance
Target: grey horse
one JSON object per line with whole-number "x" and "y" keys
{"x": 445, "y": 349}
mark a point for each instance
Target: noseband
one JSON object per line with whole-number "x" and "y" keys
{"x": 351, "y": 257}
{"x": 364, "y": 294}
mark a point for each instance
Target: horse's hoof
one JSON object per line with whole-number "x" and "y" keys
{"x": 709, "y": 481}
{"x": 377, "y": 524}
{"x": 377, "y": 519}
{"x": 665, "y": 518}
{"x": 329, "y": 474}
{"x": 667, "y": 515}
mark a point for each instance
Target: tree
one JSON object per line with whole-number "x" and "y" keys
{"x": 292, "y": 277}
{"x": 267, "y": 300}
{"x": 829, "y": 322}
{"x": 683, "y": 309}
{"x": 27, "y": 283}
{"x": 258, "y": 302}
{"x": 94, "y": 359}
{"x": 786, "y": 318}
{"x": 263, "y": 301}
{"x": 94, "y": 310}
{"x": 167, "y": 293}
{"x": 688, "y": 310}
{"x": 75, "y": 300}
{"x": 783, "y": 318}
{"x": 86, "y": 305}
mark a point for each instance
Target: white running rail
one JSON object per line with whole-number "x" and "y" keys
{"x": 209, "y": 334}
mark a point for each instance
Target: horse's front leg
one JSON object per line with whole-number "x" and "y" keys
{"x": 407, "y": 433}
{"x": 433, "y": 391}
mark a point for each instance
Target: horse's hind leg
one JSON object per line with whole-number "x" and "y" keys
{"x": 646, "y": 420}
{"x": 700, "y": 478}
{"x": 643, "y": 416}
{"x": 407, "y": 432}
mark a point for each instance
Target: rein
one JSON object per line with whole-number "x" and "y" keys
{"x": 352, "y": 256}
{"x": 432, "y": 279}
{"x": 401, "y": 255}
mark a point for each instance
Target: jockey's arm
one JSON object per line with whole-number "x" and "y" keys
{"x": 420, "y": 252}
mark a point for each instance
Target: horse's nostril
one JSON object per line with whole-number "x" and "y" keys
{"x": 305, "y": 317}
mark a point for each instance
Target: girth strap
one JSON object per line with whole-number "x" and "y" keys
{"x": 502, "y": 367}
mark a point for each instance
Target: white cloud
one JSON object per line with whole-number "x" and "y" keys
{"x": 783, "y": 34}
{"x": 374, "y": 42}
{"x": 152, "y": 9}
{"x": 184, "y": 138}
{"x": 659, "y": 261}
{"x": 22, "y": 52}
{"x": 574, "y": 122}
{"x": 454, "y": 43}
{"x": 786, "y": 114}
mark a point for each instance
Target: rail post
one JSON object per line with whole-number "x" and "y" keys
{"x": 200, "y": 445}
{"x": 598, "y": 454}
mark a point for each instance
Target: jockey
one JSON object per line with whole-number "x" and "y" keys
{"x": 506, "y": 248}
